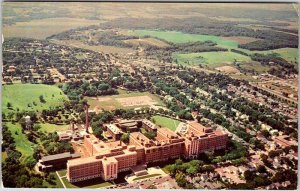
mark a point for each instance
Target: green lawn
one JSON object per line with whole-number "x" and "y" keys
{"x": 93, "y": 183}
{"x": 214, "y": 58}
{"x": 49, "y": 128}
{"x": 166, "y": 122}
{"x": 23, "y": 95}
{"x": 22, "y": 144}
{"x": 62, "y": 172}
{"x": 146, "y": 176}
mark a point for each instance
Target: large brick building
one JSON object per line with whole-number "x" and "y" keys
{"x": 107, "y": 159}
{"x": 199, "y": 139}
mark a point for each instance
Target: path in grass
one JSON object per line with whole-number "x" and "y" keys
{"x": 26, "y": 97}
{"x": 166, "y": 122}
{"x": 23, "y": 145}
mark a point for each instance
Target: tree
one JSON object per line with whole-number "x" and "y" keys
{"x": 192, "y": 170}
{"x": 178, "y": 162}
{"x": 10, "y": 115}
{"x": 98, "y": 132}
{"x": 22, "y": 122}
{"x": 42, "y": 100}
{"x": 36, "y": 127}
{"x": 3, "y": 116}
{"x": 180, "y": 179}
{"x": 171, "y": 169}
{"x": 249, "y": 175}
{"x": 125, "y": 137}
{"x": 9, "y": 105}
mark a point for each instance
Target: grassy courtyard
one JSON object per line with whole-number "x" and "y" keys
{"x": 166, "y": 122}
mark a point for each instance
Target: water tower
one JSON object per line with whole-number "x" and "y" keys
{"x": 28, "y": 122}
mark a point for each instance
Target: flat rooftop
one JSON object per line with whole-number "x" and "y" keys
{"x": 114, "y": 128}
{"x": 60, "y": 156}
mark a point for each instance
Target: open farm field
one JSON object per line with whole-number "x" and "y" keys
{"x": 179, "y": 37}
{"x": 212, "y": 59}
{"x": 98, "y": 48}
{"x": 123, "y": 100}
{"x": 289, "y": 54}
{"x": 147, "y": 41}
{"x": 226, "y": 42}
{"x": 40, "y": 29}
{"x": 27, "y": 97}
{"x": 240, "y": 39}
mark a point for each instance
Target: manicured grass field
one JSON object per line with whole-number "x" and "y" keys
{"x": 111, "y": 102}
{"x": 215, "y": 58}
{"x": 49, "y": 128}
{"x": 23, "y": 145}
{"x": 23, "y": 95}
{"x": 93, "y": 183}
{"x": 146, "y": 176}
{"x": 166, "y": 122}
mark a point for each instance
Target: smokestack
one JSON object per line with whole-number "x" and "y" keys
{"x": 72, "y": 124}
{"x": 87, "y": 118}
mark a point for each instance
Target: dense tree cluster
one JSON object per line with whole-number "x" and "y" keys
{"x": 75, "y": 90}
{"x": 14, "y": 173}
{"x": 282, "y": 67}
{"x": 211, "y": 27}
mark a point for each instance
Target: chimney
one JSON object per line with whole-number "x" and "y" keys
{"x": 87, "y": 118}
{"x": 72, "y": 125}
